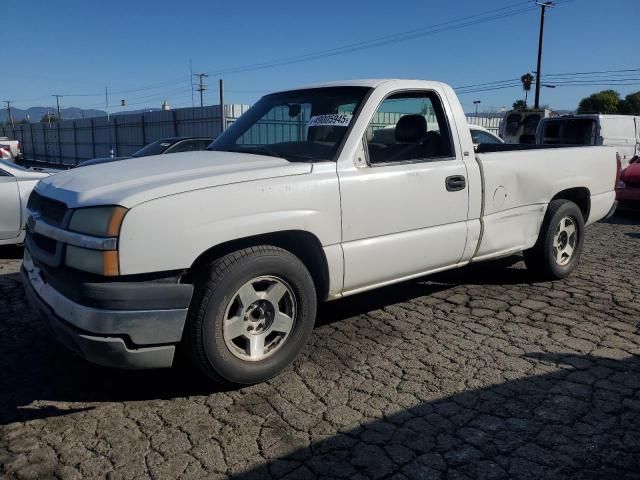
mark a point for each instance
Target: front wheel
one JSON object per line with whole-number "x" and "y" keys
{"x": 252, "y": 313}
{"x": 557, "y": 252}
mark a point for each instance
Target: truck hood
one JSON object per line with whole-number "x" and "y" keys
{"x": 142, "y": 179}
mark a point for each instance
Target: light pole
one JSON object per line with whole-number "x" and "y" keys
{"x": 476, "y": 103}
{"x": 543, "y": 6}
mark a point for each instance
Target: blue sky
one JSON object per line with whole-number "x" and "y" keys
{"x": 79, "y": 47}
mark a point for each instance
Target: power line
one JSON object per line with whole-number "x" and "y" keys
{"x": 577, "y": 76}
{"x": 450, "y": 25}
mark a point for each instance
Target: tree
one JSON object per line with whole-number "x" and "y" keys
{"x": 520, "y": 105}
{"x": 630, "y": 105}
{"x": 606, "y": 101}
{"x": 49, "y": 118}
{"x": 527, "y": 80}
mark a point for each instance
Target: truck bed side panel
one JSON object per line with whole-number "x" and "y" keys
{"x": 519, "y": 186}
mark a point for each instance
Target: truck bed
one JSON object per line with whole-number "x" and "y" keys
{"x": 519, "y": 183}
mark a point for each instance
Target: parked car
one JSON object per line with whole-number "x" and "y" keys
{"x": 16, "y": 183}
{"x": 482, "y": 135}
{"x": 159, "y": 147}
{"x": 619, "y": 131}
{"x": 519, "y": 126}
{"x": 5, "y": 153}
{"x": 15, "y": 149}
{"x": 628, "y": 188}
{"x": 227, "y": 252}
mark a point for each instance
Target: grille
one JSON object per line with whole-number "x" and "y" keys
{"x": 52, "y": 211}
{"x": 45, "y": 243}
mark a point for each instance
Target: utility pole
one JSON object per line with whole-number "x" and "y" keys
{"x": 191, "y": 81}
{"x": 58, "y": 105}
{"x": 202, "y": 86}
{"x": 8, "y": 102}
{"x": 106, "y": 102}
{"x": 543, "y": 7}
{"x": 476, "y": 103}
{"x": 223, "y": 122}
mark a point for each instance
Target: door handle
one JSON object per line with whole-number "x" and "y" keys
{"x": 455, "y": 183}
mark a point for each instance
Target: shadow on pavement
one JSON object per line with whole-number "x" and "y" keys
{"x": 579, "y": 422}
{"x": 11, "y": 252}
{"x": 55, "y": 374}
{"x": 485, "y": 273}
{"x": 624, "y": 217}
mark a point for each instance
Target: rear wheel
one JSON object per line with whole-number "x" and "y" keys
{"x": 252, "y": 313}
{"x": 557, "y": 252}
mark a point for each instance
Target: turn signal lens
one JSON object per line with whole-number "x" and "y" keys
{"x": 100, "y": 262}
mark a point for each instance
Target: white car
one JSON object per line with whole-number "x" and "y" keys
{"x": 5, "y": 153}
{"x": 14, "y": 149}
{"x": 16, "y": 184}
{"x": 482, "y": 135}
{"x": 228, "y": 252}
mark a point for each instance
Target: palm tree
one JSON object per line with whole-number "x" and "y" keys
{"x": 527, "y": 80}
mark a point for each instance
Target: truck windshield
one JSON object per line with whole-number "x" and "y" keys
{"x": 301, "y": 125}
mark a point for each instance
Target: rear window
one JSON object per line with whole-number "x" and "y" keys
{"x": 513, "y": 123}
{"x": 570, "y": 131}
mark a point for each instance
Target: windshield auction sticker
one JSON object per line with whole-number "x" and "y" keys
{"x": 335, "y": 120}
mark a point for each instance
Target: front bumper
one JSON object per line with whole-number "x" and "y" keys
{"x": 130, "y": 339}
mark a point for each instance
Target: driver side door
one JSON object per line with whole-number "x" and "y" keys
{"x": 404, "y": 213}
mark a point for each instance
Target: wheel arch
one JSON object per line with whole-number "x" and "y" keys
{"x": 581, "y": 196}
{"x": 301, "y": 243}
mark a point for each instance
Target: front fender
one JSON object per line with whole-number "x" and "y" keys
{"x": 170, "y": 233}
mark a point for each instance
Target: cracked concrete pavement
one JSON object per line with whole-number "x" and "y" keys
{"x": 475, "y": 373}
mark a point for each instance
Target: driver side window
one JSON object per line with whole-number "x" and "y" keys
{"x": 408, "y": 126}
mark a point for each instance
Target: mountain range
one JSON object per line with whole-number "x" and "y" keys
{"x": 35, "y": 114}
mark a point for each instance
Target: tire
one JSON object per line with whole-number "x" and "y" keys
{"x": 550, "y": 257}
{"x": 236, "y": 303}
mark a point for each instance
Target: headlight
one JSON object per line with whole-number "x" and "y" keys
{"x": 621, "y": 184}
{"x": 98, "y": 221}
{"x": 100, "y": 262}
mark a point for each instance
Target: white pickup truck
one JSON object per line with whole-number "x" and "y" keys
{"x": 227, "y": 252}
